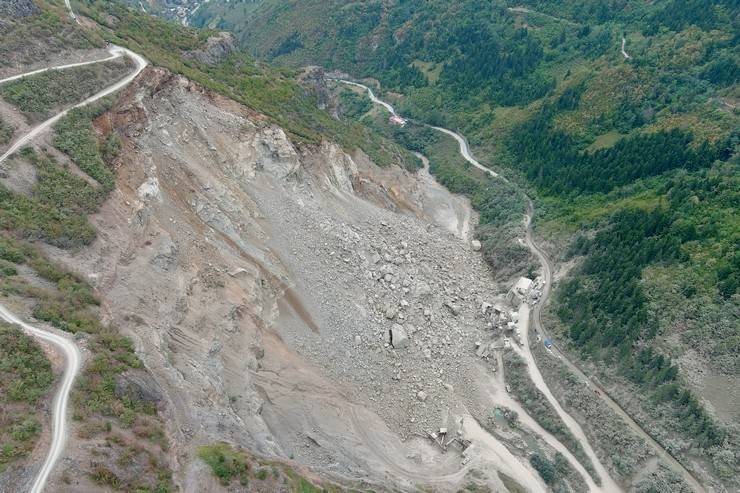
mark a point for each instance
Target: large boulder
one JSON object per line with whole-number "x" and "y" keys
{"x": 217, "y": 48}
{"x": 399, "y": 338}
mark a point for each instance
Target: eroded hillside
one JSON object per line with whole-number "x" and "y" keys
{"x": 259, "y": 280}
{"x": 289, "y": 304}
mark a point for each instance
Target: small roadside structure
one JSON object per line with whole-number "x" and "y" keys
{"x": 397, "y": 120}
{"x": 520, "y": 290}
{"x": 548, "y": 343}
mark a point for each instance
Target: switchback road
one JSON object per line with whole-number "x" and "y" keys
{"x": 64, "y": 345}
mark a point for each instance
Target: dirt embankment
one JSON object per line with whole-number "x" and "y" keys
{"x": 260, "y": 281}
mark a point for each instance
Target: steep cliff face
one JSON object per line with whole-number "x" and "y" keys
{"x": 260, "y": 280}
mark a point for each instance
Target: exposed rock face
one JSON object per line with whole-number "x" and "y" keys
{"x": 138, "y": 385}
{"x": 259, "y": 280}
{"x": 313, "y": 79}
{"x": 217, "y": 48}
{"x": 18, "y": 8}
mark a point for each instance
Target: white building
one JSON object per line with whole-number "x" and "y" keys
{"x": 520, "y": 290}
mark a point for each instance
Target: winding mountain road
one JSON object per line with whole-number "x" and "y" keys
{"x": 66, "y": 346}
{"x": 613, "y": 405}
{"x": 608, "y": 483}
{"x": 59, "y": 409}
{"x": 465, "y": 151}
{"x": 115, "y": 51}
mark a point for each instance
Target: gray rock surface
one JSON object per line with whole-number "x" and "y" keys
{"x": 218, "y": 47}
{"x": 18, "y": 8}
{"x": 137, "y": 385}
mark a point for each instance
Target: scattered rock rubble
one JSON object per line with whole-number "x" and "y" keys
{"x": 404, "y": 307}
{"x": 292, "y": 294}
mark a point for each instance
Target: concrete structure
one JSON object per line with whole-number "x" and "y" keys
{"x": 518, "y": 293}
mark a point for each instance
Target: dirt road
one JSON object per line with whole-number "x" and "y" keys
{"x": 66, "y": 347}
{"x": 371, "y": 95}
{"x": 624, "y": 53}
{"x": 113, "y": 56}
{"x": 71, "y": 12}
{"x": 465, "y": 151}
{"x": 59, "y": 410}
{"x": 115, "y": 52}
{"x": 607, "y": 483}
{"x": 537, "y": 322}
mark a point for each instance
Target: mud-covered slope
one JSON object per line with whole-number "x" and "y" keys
{"x": 260, "y": 280}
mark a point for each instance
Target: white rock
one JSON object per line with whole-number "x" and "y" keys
{"x": 399, "y": 338}
{"x": 422, "y": 289}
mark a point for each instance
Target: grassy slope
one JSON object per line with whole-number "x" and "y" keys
{"x": 42, "y": 95}
{"x": 253, "y": 473}
{"x": 28, "y": 40}
{"x": 25, "y": 378}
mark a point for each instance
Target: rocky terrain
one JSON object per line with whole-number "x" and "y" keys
{"x": 291, "y": 299}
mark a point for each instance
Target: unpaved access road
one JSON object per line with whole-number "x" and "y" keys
{"x": 464, "y": 149}
{"x": 40, "y": 128}
{"x": 114, "y": 55}
{"x": 71, "y": 12}
{"x": 59, "y": 410}
{"x": 603, "y": 395}
{"x": 624, "y": 53}
{"x": 66, "y": 347}
{"x": 608, "y": 484}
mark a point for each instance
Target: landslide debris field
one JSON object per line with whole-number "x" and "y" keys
{"x": 299, "y": 302}
{"x": 303, "y": 303}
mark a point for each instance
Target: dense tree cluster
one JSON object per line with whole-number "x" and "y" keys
{"x": 551, "y": 159}
{"x": 678, "y": 14}
{"x": 605, "y": 306}
{"x": 495, "y": 68}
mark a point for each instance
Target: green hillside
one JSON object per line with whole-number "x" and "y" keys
{"x": 269, "y": 91}
{"x": 631, "y": 158}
